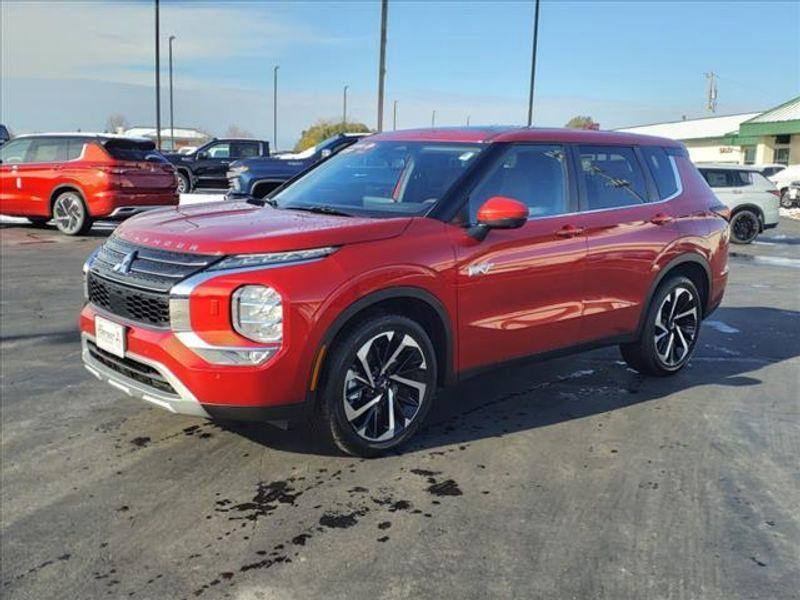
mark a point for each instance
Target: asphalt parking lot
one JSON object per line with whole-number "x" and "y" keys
{"x": 571, "y": 478}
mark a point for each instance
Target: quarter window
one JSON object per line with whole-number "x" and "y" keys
{"x": 533, "y": 174}
{"x": 661, "y": 168}
{"x": 611, "y": 176}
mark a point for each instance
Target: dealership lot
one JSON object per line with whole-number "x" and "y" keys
{"x": 568, "y": 478}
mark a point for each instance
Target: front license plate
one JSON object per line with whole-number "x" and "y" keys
{"x": 109, "y": 336}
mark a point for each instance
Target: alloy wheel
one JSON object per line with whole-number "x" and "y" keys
{"x": 745, "y": 227}
{"x": 385, "y": 386}
{"x": 68, "y": 213}
{"x": 676, "y": 327}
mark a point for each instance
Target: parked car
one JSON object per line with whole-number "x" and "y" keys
{"x": 208, "y": 165}
{"x": 5, "y": 135}
{"x": 752, "y": 198}
{"x": 408, "y": 261}
{"x": 257, "y": 177}
{"x": 76, "y": 178}
{"x": 784, "y": 180}
{"x": 791, "y": 197}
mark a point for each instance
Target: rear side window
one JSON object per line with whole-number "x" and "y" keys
{"x": 612, "y": 177}
{"x": 47, "y": 150}
{"x": 727, "y": 178}
{"x": 663, "y": 172}
{"x": 132, "y": 150}
{"x": 243, "y": 149}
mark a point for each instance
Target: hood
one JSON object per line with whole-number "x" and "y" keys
{"x": 241, "y": 228}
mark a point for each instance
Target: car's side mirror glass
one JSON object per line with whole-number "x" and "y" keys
{"x": 499, "y": 212}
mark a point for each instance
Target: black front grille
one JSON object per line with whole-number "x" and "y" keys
{"x": 151, "y": 308}
{"x": 134, "y": 281}
{"x": 132, "y": 369}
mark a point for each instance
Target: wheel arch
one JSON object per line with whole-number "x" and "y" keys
{"x": 412, "y": 302}
{"x": 66, "y": 187}
{"x": 693, "y": 266}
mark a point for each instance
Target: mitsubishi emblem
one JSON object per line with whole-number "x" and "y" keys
{"x": 123, "y": 267}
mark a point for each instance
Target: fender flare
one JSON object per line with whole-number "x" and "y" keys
{"x": 62, "y": 187}
{"x": 391, "y": 293}
{"x": 665, "y": 271}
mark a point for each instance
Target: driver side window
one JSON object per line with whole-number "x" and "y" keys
{"x": 15, "y": 151}
{"x": 535, "y": 175}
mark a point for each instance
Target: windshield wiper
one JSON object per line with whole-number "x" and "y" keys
{"x": 324, "y": 209}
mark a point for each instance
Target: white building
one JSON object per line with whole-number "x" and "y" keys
{"x": 183, "y": 136}
{"x": 766, "y": 137}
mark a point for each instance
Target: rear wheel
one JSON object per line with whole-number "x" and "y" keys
{"x": 745, "y": 227}
{"x": 70, "y": 214}
{"x": 378, "y": 386}
{"x": 670, "y": 331}
{"x": 184, "y": 185}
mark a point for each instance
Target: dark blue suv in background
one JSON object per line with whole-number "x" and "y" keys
{"x": 257, "y": 177}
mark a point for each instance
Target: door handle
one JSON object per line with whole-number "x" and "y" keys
{"x": 569, "y": 231}
{"x": 661, "y": 219}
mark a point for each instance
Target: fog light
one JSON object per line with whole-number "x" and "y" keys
{"x": 257, "y": 313}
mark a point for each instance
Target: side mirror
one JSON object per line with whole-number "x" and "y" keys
{"x": 499, "y": 212}
{"x": 203, "y": 156}
{"x": 326, "y": 153}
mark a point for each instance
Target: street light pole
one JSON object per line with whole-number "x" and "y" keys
{"x": 468, "y": 118}
{"x": 433, "y": 118}
{"x": 382, "y": 63}
{"x": 533, "y": 60}
{"x": 171, "y": 111}
{"x": 275, "y": 107}
{"x": 158, "y": 81}
{"x": 394, "y": 116}
{"x": 344, "y": 109}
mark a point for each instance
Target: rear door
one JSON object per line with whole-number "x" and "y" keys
{"x": 12, "y": 158}
{"x": 520, "y": 290}
{"x": 627, "y": 226}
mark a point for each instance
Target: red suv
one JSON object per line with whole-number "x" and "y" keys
{"x": 406, "y": 262}
{"x": 77, "y": 178}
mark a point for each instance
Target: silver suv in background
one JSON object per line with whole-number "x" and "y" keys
{"x": 752, "y": 198}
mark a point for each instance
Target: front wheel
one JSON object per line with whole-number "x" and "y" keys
{"x": 745, "y": 227}
{"x": 70, "y": 214}
{"x": 378, "y": 386}
{"x": 669, "y": 334}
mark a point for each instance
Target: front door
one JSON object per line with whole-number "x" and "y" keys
{"x": 520, "y": 291}
{"x": 211, "y": 165}
{"x": 13, "y": 156}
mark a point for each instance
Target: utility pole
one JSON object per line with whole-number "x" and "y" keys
{"x": 171, "y": 110}
{"x": 468, "y": 118}
{"x": 712, "y": 92}
{"x": 344, "y": 109}
{"x": 158, "y": 81}
{"x": 275, "y": 108}
{"x": 533, "y": 60}
{"x": 382, "y": 63}
{"x": 433, "y": 118}
{"x": 394, "y": 116}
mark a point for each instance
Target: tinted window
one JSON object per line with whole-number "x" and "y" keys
{"x": 14, "y": 151}
{"x": 661, "y": 167}
{"x": 770, "y": 171}
{"x": 133, "y": 150}
{"x": 243, "y": 149}
{"x": 727, "y": 178}
{"x": 533, "y": 174}
{"x": 612, "y": 177}
{"x": 45, "y": 150}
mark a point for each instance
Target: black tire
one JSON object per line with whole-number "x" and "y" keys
{"x": 745, "y": 227}
{"x": 70, "y": 213}
{"x": 651, "y": 354}
{"x": 39, "y": 222}
{"x": 786, "y": 201}
{"x": 361, "y": 430}
{"x": 184, "y": 183}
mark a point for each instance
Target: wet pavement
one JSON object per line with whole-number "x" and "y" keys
{"x": 570, "y": 478}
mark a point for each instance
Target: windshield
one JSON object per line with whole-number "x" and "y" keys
{"x": 381, "y": 178}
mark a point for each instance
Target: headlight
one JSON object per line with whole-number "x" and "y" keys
{"x": 257, "y": 313}
{"x": 256, "y": 260}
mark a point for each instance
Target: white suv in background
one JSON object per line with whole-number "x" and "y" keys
{"x": 786, "y": 180}
{"x": 752, "y": 198}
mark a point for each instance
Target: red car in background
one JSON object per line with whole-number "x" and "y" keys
{"x": 409, "y": 260}
{"x": 77, "y": 178}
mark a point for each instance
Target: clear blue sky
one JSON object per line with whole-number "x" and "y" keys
{"x": 623, "y": 63}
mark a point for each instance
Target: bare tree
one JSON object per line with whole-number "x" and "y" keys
{"x": 234, "y": 131}
{"x": 116, "y": 122}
